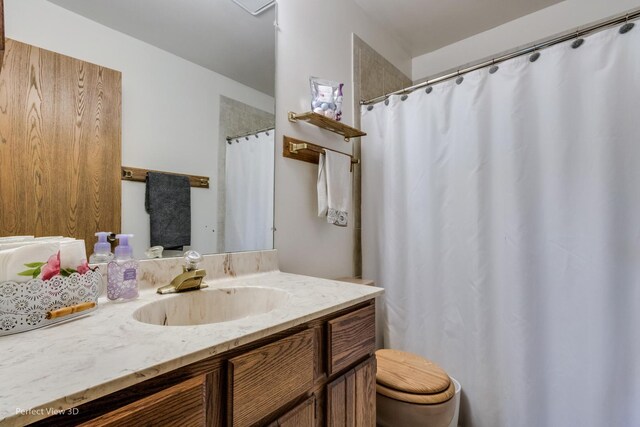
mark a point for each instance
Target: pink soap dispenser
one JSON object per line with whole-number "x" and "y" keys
{"x": 122, "y": 272}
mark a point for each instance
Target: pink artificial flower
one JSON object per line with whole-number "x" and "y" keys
{"x": 83, "y": 267}
{"x": 52, "y": 267}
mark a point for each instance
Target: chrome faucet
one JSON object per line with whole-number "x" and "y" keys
{"x": 191, "y": 277}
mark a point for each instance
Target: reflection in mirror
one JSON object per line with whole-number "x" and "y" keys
{"x": 197, "y": 100}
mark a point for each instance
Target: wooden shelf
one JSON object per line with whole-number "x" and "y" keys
{"x": 326, "y": 123}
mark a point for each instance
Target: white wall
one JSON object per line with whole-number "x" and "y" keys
{"x": 547, "y": 22}
{"x": 314, "y": 39}
{"x": 170, "y": 107}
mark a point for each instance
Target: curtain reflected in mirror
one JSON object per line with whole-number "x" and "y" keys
{"x": 249, "y": 192}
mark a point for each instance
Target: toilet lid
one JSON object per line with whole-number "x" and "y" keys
{"x": 410, "y": 373}
{"x": 420, "y": 399}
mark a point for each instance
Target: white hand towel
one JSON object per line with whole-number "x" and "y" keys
{"x": 334, "y": 187}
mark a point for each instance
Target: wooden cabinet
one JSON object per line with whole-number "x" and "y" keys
{"x": 351, "y": 398}
{"x": 316, "y": 374}
{"x": 351, "y": 337}
{"x": 181, "y": 405}
{"x": 269, "y": 377}
{"x": 303, "y": 415}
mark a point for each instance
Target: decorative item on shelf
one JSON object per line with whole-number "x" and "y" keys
{"x": 323, "y": 122}
{"x": 326, "y": 98}
{"x": 38, "y": 303}
{"x": 140, "y": 175}
{"x": 306, "y": 151}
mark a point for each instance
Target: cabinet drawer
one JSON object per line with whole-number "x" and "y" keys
{"x": 180, "y": 405}
{"x": 351, "y": 337}
{"x": 265, "y": 379}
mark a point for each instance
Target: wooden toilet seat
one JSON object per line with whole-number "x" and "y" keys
{"x": 420, "y": 399}
{"x": 411, "y": 378}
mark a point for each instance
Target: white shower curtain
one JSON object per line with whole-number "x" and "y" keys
{"x": 249, "y": 193}
{"x": 502, "y": 217}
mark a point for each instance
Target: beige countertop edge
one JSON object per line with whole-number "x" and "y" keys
{"x": 102, "y": 389}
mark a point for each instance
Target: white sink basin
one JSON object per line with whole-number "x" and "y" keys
{"x": 212, "y": 305}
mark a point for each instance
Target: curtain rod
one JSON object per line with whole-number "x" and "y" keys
{"x": 520, "y": 52}
{"x": 253, "y": 132}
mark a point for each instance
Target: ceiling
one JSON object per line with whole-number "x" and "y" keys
{"x": 427, "y": 25}
{"x": 218, "y": 35}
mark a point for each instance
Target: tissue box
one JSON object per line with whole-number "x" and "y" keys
{"x": 37, "y": 303}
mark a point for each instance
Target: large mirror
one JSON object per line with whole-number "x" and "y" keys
{"x": 197, "y": 99}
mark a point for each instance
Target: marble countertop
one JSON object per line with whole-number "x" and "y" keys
{"x": 65, "y": 365}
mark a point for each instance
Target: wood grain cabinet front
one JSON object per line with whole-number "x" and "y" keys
{"x": 181, "y": 405}
{"x": 351, "y": 338}
{"x": 268, "y": 378}
{"x": 351, "y": 398}
{"x": 303, "y": 415}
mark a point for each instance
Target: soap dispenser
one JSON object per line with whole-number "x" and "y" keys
{"x": 122, "y": 272}
{"x": 102, "y": 249}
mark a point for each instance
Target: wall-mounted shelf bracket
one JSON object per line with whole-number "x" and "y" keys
{"x": 306, "y": 151}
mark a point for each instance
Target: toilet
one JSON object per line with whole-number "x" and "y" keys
{"x": 412, "y": 391}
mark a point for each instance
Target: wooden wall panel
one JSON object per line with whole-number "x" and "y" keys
{"x": 60, "y": 145}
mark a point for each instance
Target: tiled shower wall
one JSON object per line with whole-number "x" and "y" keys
{"x": 373, "y": 76}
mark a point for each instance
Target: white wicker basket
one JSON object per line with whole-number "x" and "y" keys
{"x": 26, "y": 306}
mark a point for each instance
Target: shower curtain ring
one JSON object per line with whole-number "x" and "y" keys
{"x": 493, "y": 67}
{"x": 535, "y": 55}
{"x": 578, "y": 41}
{"x": 628, "y": 26}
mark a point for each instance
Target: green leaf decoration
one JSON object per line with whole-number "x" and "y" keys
{"x": 37, "y": 271}
{"x": 28, "y": 273}
{"x": 64, "y": 273}
{"x": 35, "y": 264}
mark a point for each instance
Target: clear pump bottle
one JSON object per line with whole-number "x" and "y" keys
{"x": 102, "y": 249}
{"x": 122, "y": 272}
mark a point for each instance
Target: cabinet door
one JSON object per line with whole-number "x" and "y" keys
{"x": 268, "y": 378}
{"x": 303, "y": 415}
{"x": 181, "y": 405}
{"x": 351, "y": 398}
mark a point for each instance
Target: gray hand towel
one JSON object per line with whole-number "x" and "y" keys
{"x": 168, "y": 202}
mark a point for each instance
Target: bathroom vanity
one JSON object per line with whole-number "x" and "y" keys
{"x": 321, "y": 370}
{"x": 270, "y": 348}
